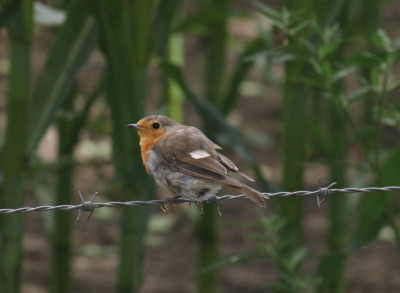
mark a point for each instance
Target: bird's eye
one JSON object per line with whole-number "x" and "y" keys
{"x": 156, "y": 125}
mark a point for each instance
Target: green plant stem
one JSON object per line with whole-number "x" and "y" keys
{"x": 69, "y": 126}
{"x": 207, "y": 235}
{"x": 14, "y": 165}
{"x": 216, "y": 53}
{"x": 207, "y": 229}
{"x": 20, "y": 31}
{"x": 174, "y": 93}
{"x": 333, "y": 264}
{"x": 169, "y": 46}
{"x": 294, "y": 116}
{"x": 61, "y": 234}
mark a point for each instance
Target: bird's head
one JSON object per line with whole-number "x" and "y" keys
{"x": 151, "y": 129}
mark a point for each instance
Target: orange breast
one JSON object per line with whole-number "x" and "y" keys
{"x": 147, "y": 141}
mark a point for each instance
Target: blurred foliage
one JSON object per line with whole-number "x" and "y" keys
{"x": 269, "y": 249}
{"x": 339, "y": 96}
{"x": 326, "y": 59}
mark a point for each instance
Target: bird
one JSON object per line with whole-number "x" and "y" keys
{"x": 184, "y": 161}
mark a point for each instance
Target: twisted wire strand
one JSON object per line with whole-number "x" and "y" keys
{"x": 322, "y": 193}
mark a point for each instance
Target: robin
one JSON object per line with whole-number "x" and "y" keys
{"x": 185, "y": 161}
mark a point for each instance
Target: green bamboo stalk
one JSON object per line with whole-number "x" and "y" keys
{"x": 69, "y": 125}
{"x": 175, "y": 95}
{"x": 207, "y": 231}
{"x": 333, "y": 264}
{"x": 216, "y": 39}
{"x": 207, "y": 226}
{"x": 296, "y": 102}
{"x": 61, "y": 234}
{"x": 125, "y": 30}
{"x": 295, "y": 115}
{"x": 134, "y": 223}
{"x": 295, "y": 107}
{"x": 335, "y": 146}
{"x": 20, "y": 31}
{"x": 169, "y": 46}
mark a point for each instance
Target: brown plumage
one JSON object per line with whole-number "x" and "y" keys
{"x": 186, "y": 162}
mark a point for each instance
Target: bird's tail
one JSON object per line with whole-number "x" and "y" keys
{"x": 253, "y": 195}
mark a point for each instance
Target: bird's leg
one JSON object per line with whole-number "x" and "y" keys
{"x": 166, "y": 207}
{"x": 199, "y": 204}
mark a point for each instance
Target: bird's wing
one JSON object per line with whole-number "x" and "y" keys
{"x": 193, "y": 153}
{"x": 209, "y": 168}
{"x": 201, "y": 164}
{"x": 253, "y": 195}
{"x": 227, "y": 162}
{"x": 199, "y": 172}
{"x": 231, "y": 166}
{"x": 205, "y": 161}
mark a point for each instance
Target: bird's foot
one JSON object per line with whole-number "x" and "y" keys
{"x": 166, "y": 207}
{"x": 199, "y": 204}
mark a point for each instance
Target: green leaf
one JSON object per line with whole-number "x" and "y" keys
{"x": 299, "y": 27}
{"x": 367, "y": 59}
{"x": 242, "y": 68}
{"x": 69, "y": 52}
{"x": 359, "y": 93}
{"x": 340, "y": 74}
{"x": 230, "y": 260}
{"x": 316, "y": 66}
{"x": 268, "y": 11}
{"x": 381, "y": 39}
{"x": 376, "y": 207}
{"x": 164, "y": 18}
{"x": 297, "y": 257}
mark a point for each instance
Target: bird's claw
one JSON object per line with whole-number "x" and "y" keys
{"x": 200, "y": 206}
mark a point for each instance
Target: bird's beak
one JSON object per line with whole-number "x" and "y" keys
{"x": 136, "y": 126}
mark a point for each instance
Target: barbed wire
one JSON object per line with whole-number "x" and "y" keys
{"x": 321, "y": 194}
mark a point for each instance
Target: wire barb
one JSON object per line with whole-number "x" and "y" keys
{"x": 87, "y": 206}
{"x": 214, "y": 200}
{"x": 323, "y": 193}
